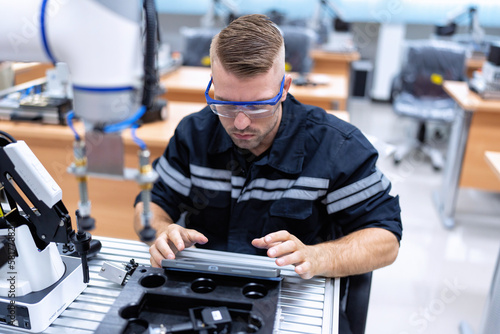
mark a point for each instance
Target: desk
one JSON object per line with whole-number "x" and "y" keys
{"x": 491, "y": 320}
{"x": 24, "y": 72}
{"x": 476, "y": 129}
{"x": 188, "y": 83}
{"x": 304, "y": 306}
{"x": 473, "y": 64}
{"x": 493, "y": 159}
{"x": 112, "y": 201}
{"x": 336, "y": 63}
{"x": 333, "y": 62}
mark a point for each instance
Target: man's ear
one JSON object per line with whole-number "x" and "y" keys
{"x": 286, "y": 86}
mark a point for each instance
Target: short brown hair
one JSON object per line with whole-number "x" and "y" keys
{"x": 248, "y": 46}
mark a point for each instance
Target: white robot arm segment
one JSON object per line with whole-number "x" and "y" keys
{"x": 99, "y": 40}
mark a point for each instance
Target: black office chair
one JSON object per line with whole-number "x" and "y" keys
{"x": 298, "y": 44}
{"x": 357, "y": 299}
{"x": 196, "y": 45}
{"x": 417, "y": 91}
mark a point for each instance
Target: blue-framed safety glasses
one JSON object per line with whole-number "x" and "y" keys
{"x": 253, "y": 109}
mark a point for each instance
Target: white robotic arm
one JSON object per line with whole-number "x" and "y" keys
{"x": 101, "y": 42}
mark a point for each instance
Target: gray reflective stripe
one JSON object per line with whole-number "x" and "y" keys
{"x": 266, "y": 190}
{"x": 237, "y": 181}
{"x": 261, "y": 195}
{"x": 310, "y": 182}
{"x": 210, "y": 172}
{"x": 308, "y": 195}
{"x": 173, "y": 178}
{"x": 373, "y": 189}
{"x": 235, "y": 193}
{"x": 354, "y": 188}
{"x": 270, "y": 184}
{"x": 210, "y": 184}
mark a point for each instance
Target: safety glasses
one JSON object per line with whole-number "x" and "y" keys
{"x": 253, "y": 109}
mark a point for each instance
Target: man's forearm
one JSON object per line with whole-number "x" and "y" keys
{"x": 359, "y": 252}
{"x": 160, "y": 219}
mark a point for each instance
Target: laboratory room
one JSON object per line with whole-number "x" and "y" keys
{"x": 250, "y": 166}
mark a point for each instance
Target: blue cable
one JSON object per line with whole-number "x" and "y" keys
{"x": 27, "y": 91}
{"x": 125, "y": 123}
{"x": 136, "y": 139}
{"x": 43, "y": 32}
{"x": 69, "y": 119}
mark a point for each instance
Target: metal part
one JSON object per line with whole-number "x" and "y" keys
{"x": 105, "y": 153}
{"x": 113, "y": 272}
{"x": 146, "y": 178}
{"x": 118, "y": 273}
{"x": 445, "y": 197}
{"x": 79, "y": 168}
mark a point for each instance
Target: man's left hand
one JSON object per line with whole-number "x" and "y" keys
{"x": 288, "y": 249}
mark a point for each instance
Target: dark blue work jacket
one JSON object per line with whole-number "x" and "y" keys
{"x": 318, "y": 181}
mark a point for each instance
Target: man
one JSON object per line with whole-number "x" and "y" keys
{"x": 258, "y": 172}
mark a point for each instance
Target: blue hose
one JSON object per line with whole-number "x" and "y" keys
{"x": 69, "y": 119}
{"x": 125, "y": 123}
{"x": 136, "y": 139}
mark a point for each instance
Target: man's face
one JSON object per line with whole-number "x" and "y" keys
{"x": 255, "y": 135}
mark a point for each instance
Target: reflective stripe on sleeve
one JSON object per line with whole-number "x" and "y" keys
{"x": 173, "y": 178}
{"x": 211, "y": 184}
{"x": 357, "y": 192}
{"x": 210, "y": 173}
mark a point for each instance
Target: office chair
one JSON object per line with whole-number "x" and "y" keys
{"x": 196, "y": 45}
{"x": 298, "y": 44}
{"x": 357, "y": 300}
{"x": 417, "y": 91}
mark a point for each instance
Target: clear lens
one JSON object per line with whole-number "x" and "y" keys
{"x": 252, "y": 111}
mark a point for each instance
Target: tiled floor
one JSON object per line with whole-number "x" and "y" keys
{"x": 441, "y": 276}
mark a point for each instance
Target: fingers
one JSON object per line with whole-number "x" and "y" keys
{"x": 183, "y": 238}
{"x": 272, "y": 239}
{"x": 304, "y": 270}
{"x": 173, "y": 240}
{"x": 288, "y": 250}
{"x": 155, "y": 259}
{"x": 262, "y": 244}
{"x": 160, "y": 250}
{"x": 194, "y": 237}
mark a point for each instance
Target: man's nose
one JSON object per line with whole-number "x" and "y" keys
{"x": 242, "y": 121}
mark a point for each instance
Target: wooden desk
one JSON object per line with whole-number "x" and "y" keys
{"x": 188, "y": 84}
{"x": 493, "y": 159}
{"x": 476, "y": 129}
{"x": 332, "y": 62}
{"x": 112, "y": 201}
{"x": 24, "y": 72}
{"x": 473, "y": 64}
{"x": 491, "y": 322}
{"x": 338, "y": 63}
{"x": 484, "y": 135}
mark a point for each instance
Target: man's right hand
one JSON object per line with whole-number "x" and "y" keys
{"x": 173, "y": 239}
